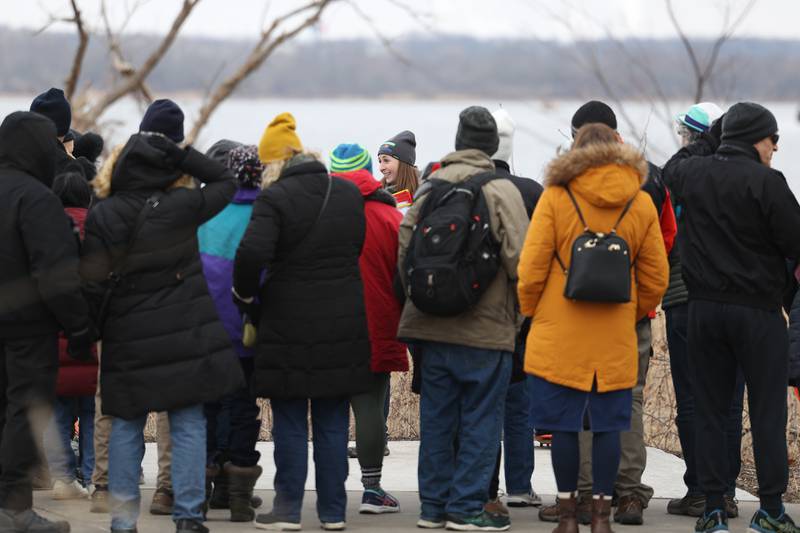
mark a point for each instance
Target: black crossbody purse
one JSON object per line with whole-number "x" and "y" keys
{"x": 600, "y": 270}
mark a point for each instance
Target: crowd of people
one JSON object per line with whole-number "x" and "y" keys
{"x": 152, "y": 278}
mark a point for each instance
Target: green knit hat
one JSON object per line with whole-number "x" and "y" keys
{"x": 350, "y": 157}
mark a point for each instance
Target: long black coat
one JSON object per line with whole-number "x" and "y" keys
{"x": 739, "y": 224}
{"x": 39, "y": 283}
{"x": 312, "y": 336}
{"x": 163, "y": 344}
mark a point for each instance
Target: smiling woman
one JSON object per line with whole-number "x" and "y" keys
{"x": 396, "y": 160}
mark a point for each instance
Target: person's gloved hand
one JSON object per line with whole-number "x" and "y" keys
{"x": 714, "y": 135}
{"x": 175, "y": 154}
{"x": 247, "y": 306}
{"x": 79, "y": 344}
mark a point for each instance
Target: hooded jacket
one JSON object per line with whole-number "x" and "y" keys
{"x": 378, "y": 264}
{"x": 491, "y": 324}
{"x": 573, "y": 343}
{"x": 739, "y": 224}
{"x": 39, "y": 283}
{"x": 313, "y": 340}
{"x": 163, "y": 345}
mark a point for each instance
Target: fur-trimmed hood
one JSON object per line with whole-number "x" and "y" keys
{"x": 606, "y": 175}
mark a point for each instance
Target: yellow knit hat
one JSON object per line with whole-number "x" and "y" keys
{"x": 279, "y": 140}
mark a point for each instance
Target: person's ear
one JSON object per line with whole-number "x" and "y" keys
{"x": 619, "y": 137}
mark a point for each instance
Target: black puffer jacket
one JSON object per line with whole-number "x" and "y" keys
{"x": 739, "y": 224}
{"x": 163, "y": 344}
{"x": 312, "y": 335}
{"x": 794, "y": 342}
{"x": 39, "y": 283}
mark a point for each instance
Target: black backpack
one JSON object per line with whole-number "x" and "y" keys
{"x": 453, "y": 256}
{"x": 601, "y": 263}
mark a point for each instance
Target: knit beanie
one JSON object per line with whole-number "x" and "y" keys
{"x": 221, "y": 149}
{"x": 700, "y": 116}
{"x": 53, "y": 104}
{"x": 350, "y": 157}
{"x": 748, "y": 122}
{"x": 477, "y": 129}
{"x": 72, "y": 189}
{"x": 279, "y": 140}
{"x": 505, "y": 131}
{"x": 592, "y": 112}
{"x": 89, "y": 145}
{"x": 165, "y": 117}
{"x": 402, "y": 147}
{"x": 246, "y": 166}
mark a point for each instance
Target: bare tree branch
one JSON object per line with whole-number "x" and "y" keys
{"x": 134, "y": 81}
{"x": 386, "y": 42}
{"x": 260, "y": 52}
{"x": 77, "y": 61}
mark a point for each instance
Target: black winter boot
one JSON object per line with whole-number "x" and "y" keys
{"x": 211, "y": 475}
{"x": 219, "y": 496}
{"x": 241, "y": 480}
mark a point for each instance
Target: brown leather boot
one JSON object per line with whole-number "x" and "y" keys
{"x": 601, "y": 511}
{"x": 567, "y": 519}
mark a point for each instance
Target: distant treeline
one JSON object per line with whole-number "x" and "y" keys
{"x": 436, "y": 67}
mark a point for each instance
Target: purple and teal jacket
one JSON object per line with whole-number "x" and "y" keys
{"x": 219, "y": 238}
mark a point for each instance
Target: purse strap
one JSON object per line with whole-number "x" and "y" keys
{"x": 293, "y": 252}
{"x": 586, "y": 226}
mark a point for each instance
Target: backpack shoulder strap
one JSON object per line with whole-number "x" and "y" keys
{"x": 577, "y": 209}
{"x": 119, "y": 265}
{"x": 622, "y": 215}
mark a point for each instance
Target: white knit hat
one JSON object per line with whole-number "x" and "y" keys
{"x": 505, "y": 130}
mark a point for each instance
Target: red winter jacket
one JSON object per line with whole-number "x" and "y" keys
{"x": 378, "y": 263}
{"x": 75, "y": 378}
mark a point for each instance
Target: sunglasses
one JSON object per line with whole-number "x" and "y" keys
{"x": 775, "y": 138}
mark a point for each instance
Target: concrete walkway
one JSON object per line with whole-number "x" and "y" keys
{"x": 656, "y": 518}
{"x": 664, "y": 473}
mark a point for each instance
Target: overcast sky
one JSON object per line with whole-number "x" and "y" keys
{"x": 543, "y": 19}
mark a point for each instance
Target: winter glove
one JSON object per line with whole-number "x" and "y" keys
{"x": 714, "y": 135}
{"x": 175, "y": 154}
{"x": 79, "y": 344}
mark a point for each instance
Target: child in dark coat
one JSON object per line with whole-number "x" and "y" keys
{"x": 77, "y": 380}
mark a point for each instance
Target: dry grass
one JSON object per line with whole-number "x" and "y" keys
{"x": 659, "y": 412}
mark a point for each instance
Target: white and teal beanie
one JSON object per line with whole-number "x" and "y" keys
{"x": 700, "y": 116}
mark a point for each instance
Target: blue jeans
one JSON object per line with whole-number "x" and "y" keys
{"x": 461, "y": 405}
{"x": 682, "y": 380}
{"x": 518, "y": 439}
{"x": 125, "y": 452}
{"x": 58, "y": 438}
{"x": 330, "y": 419}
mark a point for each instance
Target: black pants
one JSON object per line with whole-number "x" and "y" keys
{"x": 233, "y": 425}
{"x": 723, "y": 338}
{"x": 683, "y": 381}
{"x": 28, "y": 371}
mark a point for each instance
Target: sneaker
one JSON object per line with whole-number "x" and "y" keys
{"x": 334, "y": 526}
{"x": 713, "y": 521}
{"x": 495, "y": 507}
{"x": 762, "y": 522}
{"x": 378, "y": 502}
{"x": 430, "y": 523}
{"x": 190, "y": 526}
{"x": 689, "y": 505}
{"x": 99, "y": 499}
{"x": 162, "y": 503}
{"x": 524, "y": 500}
{"x": 30, "y": 522}
{"x": 731, "y": 506}
{"x": 481, "y": 522}
{"x": 629, "y": 511}
{"x": 72, "y": 490}
{"x": 271, "y": 522}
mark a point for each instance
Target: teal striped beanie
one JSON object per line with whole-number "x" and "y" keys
{"x": 350, "y": 157}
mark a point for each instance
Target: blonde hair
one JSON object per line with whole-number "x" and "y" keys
{"x": 273, "y": 169}
{"x": 102, "y": 182}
